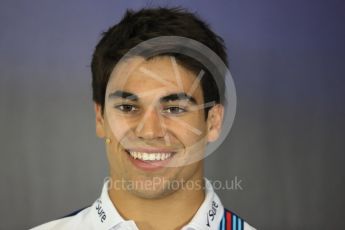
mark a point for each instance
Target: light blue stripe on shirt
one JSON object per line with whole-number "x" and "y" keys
{"x": 239, "y": 224}
{"x": 234, "y": 222}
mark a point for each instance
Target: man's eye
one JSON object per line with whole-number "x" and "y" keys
{"x": 126, "y": 108}
{"x": 174, "y": 110}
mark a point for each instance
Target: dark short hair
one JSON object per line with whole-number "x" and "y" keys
{"x": 147, "y": 23}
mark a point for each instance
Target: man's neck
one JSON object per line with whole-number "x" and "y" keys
{"x": 172, "y": 211}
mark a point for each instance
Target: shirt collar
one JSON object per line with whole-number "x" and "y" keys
{"x": 105, "y": 216}
{"x": 209, "y": 214}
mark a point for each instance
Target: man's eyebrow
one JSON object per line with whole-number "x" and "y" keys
{"x": 178, "y": 96}
{"x": 170, "y": 97}
{"x": 124, "y": 95}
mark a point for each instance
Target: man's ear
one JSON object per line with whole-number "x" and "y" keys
{"x": 214, "y": 122}
{"x": 100, "y": 128}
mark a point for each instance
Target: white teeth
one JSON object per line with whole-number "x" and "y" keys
{"x": 150, "y": 156}
{"x": 158, "y": 156}
{"x": 145, "y": 157}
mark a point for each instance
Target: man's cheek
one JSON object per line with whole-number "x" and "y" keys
{"x": 118, "y": 127}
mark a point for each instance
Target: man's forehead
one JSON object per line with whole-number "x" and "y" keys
{"x": 163, "y": 67}
{"x": 160, "y": 75}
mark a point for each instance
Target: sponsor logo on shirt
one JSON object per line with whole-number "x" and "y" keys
{"x": 100, "y": 211}
{"x": 211, "y": 213}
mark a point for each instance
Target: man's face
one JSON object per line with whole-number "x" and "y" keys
{"x": 155, "y": 120}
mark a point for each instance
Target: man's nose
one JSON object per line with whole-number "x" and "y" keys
{"x": 151, "y": 125}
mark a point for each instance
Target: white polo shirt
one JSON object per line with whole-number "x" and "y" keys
{"x": 102, "y": 215}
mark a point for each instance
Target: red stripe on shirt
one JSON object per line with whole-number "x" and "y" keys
{"x": 228, "y": 221}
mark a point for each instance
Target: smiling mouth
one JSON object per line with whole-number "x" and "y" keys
{"x": 149, "y": 156}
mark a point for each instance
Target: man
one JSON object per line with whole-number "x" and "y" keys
{"x": 156, "y": 113}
